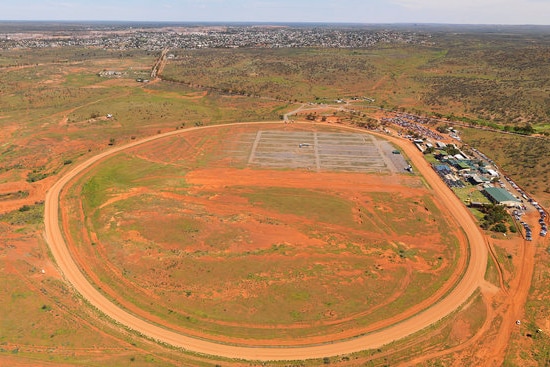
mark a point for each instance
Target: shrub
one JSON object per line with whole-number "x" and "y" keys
{"x": 500, "y": 227}
{"x": 24, "y": 208}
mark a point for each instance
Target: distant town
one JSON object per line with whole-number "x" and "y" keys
{"x": 136, "y": 36}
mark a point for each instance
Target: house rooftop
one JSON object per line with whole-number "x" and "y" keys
{"x": 499, "y": 195}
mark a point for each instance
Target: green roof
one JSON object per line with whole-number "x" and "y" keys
{"x": 463, "y": 165}
{"x": 500, "y": 195}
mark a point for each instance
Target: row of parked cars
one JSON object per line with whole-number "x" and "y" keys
{"x": 542, "y": 213}
{"x": 528, "y": 230}
{"x": 543, "y": 227}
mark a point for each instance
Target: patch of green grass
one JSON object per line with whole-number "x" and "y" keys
{"x": 82, "y": 79}
{"x": 479, "y": 215}
{"x": 318, "y": 206}
{"x": 300, "y": 296}
{"x": 470, "y": 193}
{"x": 121, "y": 173}
{"x": 431, "y": 159}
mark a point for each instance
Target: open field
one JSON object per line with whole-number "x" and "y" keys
{"x": 311, "y": 256}
{"x": 53, "y": 116}
{"x": 487, "y": 78}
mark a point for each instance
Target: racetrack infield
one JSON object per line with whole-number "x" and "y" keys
{"x": 193, "y": 232}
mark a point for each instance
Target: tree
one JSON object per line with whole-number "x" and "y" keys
{"x": 499, "y": 227}
{"x": 495, "y": 214}
{"x": 310, "y": 117}
{"x": 442, "y": 128}
{"x": 527, "y": 129}
{"x": 495, "y": 218}
{"x": 451, "y": 150}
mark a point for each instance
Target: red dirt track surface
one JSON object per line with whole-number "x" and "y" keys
{"x": 386, "y": 332}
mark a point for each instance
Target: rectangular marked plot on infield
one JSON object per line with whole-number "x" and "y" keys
{"x": 317, "y": 151}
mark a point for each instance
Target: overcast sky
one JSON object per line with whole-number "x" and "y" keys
{"x": 349, "y": 11}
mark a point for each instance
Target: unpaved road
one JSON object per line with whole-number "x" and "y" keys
{"x": 472, "y": 278}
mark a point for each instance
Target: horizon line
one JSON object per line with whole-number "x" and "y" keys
{"x": 265, "y": 22}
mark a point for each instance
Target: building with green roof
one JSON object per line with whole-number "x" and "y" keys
{"x": 500, "y": 196}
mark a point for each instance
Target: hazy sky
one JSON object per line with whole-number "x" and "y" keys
{"x": 354, "y": 11}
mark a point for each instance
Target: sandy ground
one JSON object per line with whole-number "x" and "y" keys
{"x": 472, "y": 279}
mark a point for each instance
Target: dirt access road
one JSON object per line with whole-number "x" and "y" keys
{"x": 472, "y": 278}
